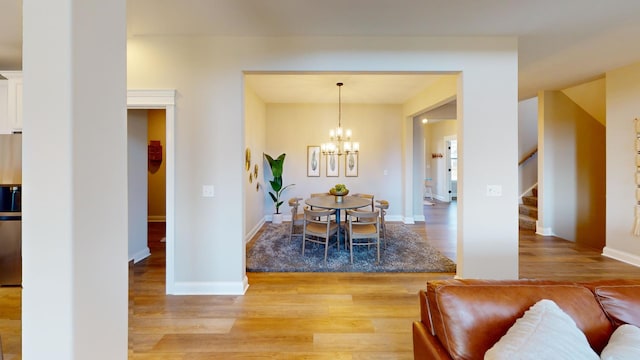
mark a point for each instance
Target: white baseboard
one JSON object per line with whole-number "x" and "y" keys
{"x": 408, "y": 220}
{"x": 254, "y": 231}
{"x": 156, "y": 218}
{"x": 394, "y": 218}
{"x": 543, "y": 231}
{"x": 419, "y": 218}
{"x": 141, "y": 255}
{"x": 621, "y": 256}
{"x": 211, "y": 288}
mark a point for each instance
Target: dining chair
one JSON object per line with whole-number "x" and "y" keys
{"x": 364, "y": 196}
{"x": 319, "y": 228}
{"x": 383, "y": 206}
{"x": 318, "y": 195}
{"x": 365, "y": 231}
{"x": 367, "y": 196}
{"x": 297, "y": 219}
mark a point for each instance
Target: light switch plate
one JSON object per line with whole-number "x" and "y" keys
{"x": 207, "y": 191}
{"x": 494, "y": 190}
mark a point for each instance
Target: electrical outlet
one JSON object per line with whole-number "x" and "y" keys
{"x": 494, "y": 190}
{"x": 207, "y": 191}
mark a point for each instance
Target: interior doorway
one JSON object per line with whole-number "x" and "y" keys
{"x": 163, "y": 99}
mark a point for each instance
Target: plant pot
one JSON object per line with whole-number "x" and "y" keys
{"x": 276, "y": 219}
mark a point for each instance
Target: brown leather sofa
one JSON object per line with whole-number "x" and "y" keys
{"x": 462, "y": 319}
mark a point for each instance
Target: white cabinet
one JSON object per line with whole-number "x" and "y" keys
{"x": 14, "y": 99}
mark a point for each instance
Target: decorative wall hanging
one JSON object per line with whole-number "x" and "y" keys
{"x": 155, "y": 151}
{"x": 333, "y": 169}
{"x": 255, "y": 171}
{"x": 313, "y": 160}
{"x": 351, "y": 165}
{"x": 636, "y": 228}
{"x": 250, "y": 178}
{"x": 247, "y": 159}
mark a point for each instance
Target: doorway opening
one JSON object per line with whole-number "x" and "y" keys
{"x": 164, "y": 100}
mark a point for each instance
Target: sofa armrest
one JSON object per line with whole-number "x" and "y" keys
{"x": 425, "y": 345}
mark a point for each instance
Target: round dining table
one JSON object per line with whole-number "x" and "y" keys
{"x": 329, "y": 202}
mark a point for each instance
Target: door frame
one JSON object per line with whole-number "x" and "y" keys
{"x": 447, "y": 163}
{"x": 163, "y": 99}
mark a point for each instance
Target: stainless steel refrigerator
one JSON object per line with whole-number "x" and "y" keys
{"x": 10, "y": 210}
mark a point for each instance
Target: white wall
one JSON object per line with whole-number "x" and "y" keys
{"x": 572, "y": 158}
{"x": 527, "y": 142}
{"x": 137, "y": 183}
{"x": 293, "y": 127}
{"x": 207, "y": 73}
{"x": 75, "y": 270}
{"x": 623, "y": 92}
{"x": 255, "y": 122}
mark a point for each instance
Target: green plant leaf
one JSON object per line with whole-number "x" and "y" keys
{"x": 276, "y": 184}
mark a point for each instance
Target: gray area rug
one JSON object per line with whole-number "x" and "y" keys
{"x": 406, "y": 251}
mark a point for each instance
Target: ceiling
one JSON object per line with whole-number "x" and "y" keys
{"x": 561, "y": 42}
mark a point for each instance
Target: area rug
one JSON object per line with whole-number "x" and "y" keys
{"x": 405, "y": 251}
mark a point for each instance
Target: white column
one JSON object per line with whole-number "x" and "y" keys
{"x": 75, "y": 298}
{"x": 488, "y": 172}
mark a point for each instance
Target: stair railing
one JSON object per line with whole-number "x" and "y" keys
{"x": 528, "y": 156}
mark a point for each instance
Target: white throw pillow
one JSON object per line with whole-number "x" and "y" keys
{"x": 624, "y": 344}
{"x": 543, "y": 332}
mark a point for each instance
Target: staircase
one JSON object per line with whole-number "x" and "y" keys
{"x": 528, "y": 211}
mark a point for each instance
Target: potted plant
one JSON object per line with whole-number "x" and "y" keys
{"x": 276, "y": 184}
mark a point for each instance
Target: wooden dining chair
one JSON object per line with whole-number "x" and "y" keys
{"x": 365, "y": 231}
{"x": 367, "y": 196}
{"x": 318, "y": 195}
{"x": 383, "y": 206}
{"x": 319, "y": 228}
{"x": 364, "y": 196}
{"x": 297, "y": 219}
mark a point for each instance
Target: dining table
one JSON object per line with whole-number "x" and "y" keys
{"x": 329, "y": 202}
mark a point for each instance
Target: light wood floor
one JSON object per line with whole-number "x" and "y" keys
{"x": 308, "y": 316}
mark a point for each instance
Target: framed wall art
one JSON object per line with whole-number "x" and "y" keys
{"x": 351, "y": 165}
{"x": 333, "y": 168}
{"x": 313, "y": 160}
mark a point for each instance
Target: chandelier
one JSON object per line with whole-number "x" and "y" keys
{"x": 339, "y": 139}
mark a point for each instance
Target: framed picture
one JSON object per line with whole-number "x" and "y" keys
{"x": 313, "y": 160}
{"x": 333, "y": 168}
{"x": 351, "y": 164}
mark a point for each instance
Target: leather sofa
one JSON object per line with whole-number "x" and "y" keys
{"x": 462, "y": 319}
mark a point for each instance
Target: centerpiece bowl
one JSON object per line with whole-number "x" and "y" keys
{"x": 339, "y": 194}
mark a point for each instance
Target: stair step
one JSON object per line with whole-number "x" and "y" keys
{"x": 526, "y": 222}
{"x": 535, "y": 191}
{"x": 530, "y": 200}
{"x": 528, "y": 210}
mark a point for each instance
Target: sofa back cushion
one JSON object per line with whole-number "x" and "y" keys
{"x": 469, "y": 316}
{"x": 620, "y": 302}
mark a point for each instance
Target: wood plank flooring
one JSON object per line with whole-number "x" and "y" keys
{"x": 306, "y": 315}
